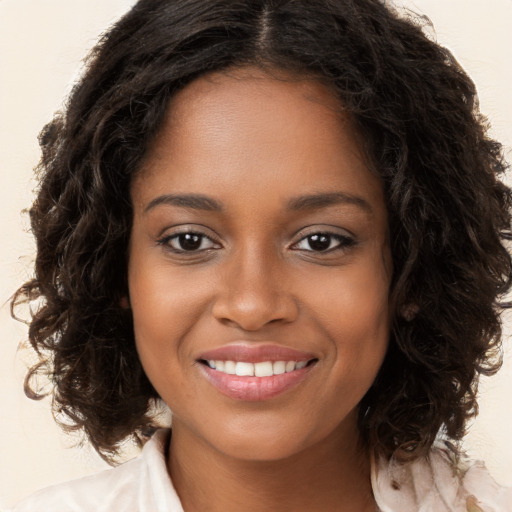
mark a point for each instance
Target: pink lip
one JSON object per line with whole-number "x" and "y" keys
{"x": 253, "y": 388}
{"x": 252, "y": 353}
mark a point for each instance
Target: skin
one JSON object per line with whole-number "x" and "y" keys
{"x": 253, "y": 143}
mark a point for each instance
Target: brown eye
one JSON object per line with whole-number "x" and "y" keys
{"x": 324, "y": 242}
{"x": 187, "y": 242}
{"x": 319, "y": 242}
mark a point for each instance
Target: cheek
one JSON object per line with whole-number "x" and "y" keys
{"x": 352, "y": 309}
{"x": 159, "y": 328}
{"x": 161, "y": 307}
{"x": 354, "y": 298}
{"x": 164, "y": 301}
{"x": 168, "y": 309}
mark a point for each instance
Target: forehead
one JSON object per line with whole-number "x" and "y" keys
{"x": 245, "y": 130}
{"x": 264, "y": 101}
{"x": 253, "y": 91}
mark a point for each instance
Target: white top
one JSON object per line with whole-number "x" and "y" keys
{"x": 143, "y": 485}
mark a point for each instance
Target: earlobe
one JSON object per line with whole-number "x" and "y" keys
{"x": 409, "y": 311}
{"x": 124, "y": 302}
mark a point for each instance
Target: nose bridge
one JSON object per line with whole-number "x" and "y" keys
{"x": 254, "y": 290}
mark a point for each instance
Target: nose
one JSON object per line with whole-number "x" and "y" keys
{"x": 253, "y": 292}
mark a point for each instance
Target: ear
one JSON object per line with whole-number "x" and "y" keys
{"x": 124, "y": 302}
{"x": 409, "y": 311}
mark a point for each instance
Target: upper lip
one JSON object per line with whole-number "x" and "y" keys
{"x": 251, "y": 353}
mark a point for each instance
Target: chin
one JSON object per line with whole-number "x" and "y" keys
{"x": 266, "y": 441}
{"x": 256, "y": 448}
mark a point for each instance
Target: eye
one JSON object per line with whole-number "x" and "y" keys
{"x": 324, "y": 242}
{"x": 187, "y": 242}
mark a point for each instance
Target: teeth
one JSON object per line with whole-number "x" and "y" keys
{"x": 262, "y": 369}
{"x": 279, "y": 367}
{"x": 244, "y": 369}
{"x": 230, "y": 367}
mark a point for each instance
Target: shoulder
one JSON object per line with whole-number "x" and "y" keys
{"x": 141, "y": 484}
{"x": 113, "y": 485}
{"x": 439, "y": 483}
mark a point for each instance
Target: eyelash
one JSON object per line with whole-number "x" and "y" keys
{"x": 166, "y": 241}
{"x": 344, "y": 242}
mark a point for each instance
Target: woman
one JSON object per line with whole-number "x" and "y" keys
{"x": 285, "y": 221}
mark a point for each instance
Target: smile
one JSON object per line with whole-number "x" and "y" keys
{"x": 255, "y": 371}
{"x": 261, "y": 369}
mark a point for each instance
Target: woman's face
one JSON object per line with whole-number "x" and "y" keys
{"x": 259, "y": 247}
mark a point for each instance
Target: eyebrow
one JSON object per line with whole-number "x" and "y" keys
{"x": 300, "y": 203}
{"x": 193, "y": 201}
{"x": 322, "y": 200}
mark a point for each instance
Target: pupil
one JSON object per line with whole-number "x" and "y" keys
{"x": 319, "y": 242}
{"x": 190, "y": 241}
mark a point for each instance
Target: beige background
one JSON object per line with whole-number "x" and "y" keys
{"x": 42, "y": 43}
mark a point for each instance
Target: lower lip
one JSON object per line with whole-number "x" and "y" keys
{"x": 254, "y": 388}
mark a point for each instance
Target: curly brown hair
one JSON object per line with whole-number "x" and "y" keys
{"x": 418, "y": 113}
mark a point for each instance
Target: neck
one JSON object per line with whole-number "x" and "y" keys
{"x": 329, "y": 476}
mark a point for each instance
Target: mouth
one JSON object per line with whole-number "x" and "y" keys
{"x": 259, "y": 369}
{"x": 255, "y": 372}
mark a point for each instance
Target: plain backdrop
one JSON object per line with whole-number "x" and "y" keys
{"x": 42, "y": 43}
